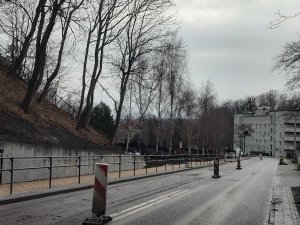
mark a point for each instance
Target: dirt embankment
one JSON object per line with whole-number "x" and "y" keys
{"x": 45, "y": 124}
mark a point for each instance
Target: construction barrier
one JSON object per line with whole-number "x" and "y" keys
{"x": 100, "y": 189}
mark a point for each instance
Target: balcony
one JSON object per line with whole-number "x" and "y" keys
{"x": 291, "y": 138}
{"x": 288, "y": 147}
{"x": 291, "y": 130}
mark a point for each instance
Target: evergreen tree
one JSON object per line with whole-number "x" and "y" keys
{"x": 101, "y": 119}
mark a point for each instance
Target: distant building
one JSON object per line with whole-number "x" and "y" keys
{"x": 270, "y": 132}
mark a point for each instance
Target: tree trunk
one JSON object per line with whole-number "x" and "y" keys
{"x": 84, "y": 75}
{"x": 40, "y": 57}
{"x": 60, "y": 54}
{"x": 119, "y": 111}
{"x": 45, "y": 90}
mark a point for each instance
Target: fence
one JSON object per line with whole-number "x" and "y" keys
{"x": 118, "y": 163}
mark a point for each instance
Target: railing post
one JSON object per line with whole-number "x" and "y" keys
{"x": 172, "y": 162}
{"x": 186, "y": 160}
{"x": 11, "y": 174}
{"x": 146, "y": 165}
{"x": 1, "y": 165}
{"x": 50, "y": 171}
{"x": 156, "y": 165}
{"x": 134, "y": 165}
{"x": 120, "y": 163}
{"x": 165, "y": 162}
{"x": 79, "y": 168}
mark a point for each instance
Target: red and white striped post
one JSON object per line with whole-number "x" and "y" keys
{"x": 100, "y": 189}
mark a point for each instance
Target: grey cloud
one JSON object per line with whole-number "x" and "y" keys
{"x": 236, "y": 53}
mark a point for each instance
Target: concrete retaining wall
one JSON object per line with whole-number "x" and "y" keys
{"x": 88, "y": 160}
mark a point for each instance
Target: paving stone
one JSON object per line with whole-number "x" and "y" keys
{"x": 285, "y": 210}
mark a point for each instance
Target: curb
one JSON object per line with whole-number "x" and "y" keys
{"x": 16, "y": 199}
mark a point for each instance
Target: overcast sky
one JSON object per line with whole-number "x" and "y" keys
{"x": 230, "y": 43}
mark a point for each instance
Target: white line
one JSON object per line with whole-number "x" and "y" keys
{"x": 145, "y": 205}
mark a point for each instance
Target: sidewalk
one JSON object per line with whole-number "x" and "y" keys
{"x": 283, "y": 210}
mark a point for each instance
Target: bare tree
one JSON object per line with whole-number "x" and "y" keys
{"x": 15, "y": 24}
{"x": 269, "y": 98}
{"x": 160, "y": 101}
{"x": 108, "y": 15}
{"x": 144, "y": 93}
{"x": 176, "y": 66}
{"x": 68, "y": 13}
{"x": 189, "y": 112}
{"x": 144, "y": 28}
{"x": 206, "y": 103}
{"x": 17, "y": 64}
{"x": 43, "y": 35}
{"x": 289, "y": 63}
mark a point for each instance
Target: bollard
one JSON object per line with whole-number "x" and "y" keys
{"x": 281, "y": 162}
{"x": 216, "y": 168}
{"x": 239, "y": 163}
{"x": 99, "y": 197}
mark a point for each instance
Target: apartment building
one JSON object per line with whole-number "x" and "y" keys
{"x": 270, "y": 132}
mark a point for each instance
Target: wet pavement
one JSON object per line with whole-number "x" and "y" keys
{"x": 189, "y": 197}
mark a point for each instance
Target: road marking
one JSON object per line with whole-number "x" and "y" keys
{"x": 137, "y": 208}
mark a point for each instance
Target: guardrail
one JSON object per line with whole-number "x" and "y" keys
{"x": 149, "y": 161}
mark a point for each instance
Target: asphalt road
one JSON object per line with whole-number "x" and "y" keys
{"x": 191, "y": 197}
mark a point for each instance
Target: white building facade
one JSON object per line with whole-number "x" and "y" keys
{"x": 270, "y": 132}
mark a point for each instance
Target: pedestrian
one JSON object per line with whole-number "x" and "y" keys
{"x": 260, "y": 156}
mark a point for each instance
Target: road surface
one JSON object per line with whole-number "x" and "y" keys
{"x": 190, "y": 197}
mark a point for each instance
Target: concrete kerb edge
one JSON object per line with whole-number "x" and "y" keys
{"x": 43, "y": 195}
{"x": 81, "y": 188}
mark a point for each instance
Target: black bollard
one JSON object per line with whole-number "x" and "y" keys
{"x": 238, "y": 164}
{"x": 216, "y": 168}
{"x": 281, "y": 162}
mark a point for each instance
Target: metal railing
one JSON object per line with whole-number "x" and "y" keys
{"x": 134, "y": 162}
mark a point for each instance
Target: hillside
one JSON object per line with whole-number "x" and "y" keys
{"x": 46, "y": 123}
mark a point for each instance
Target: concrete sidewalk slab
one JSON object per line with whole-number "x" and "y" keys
{"x": 283, "y": 210}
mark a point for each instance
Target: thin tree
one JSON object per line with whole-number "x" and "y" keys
{"x": 145, "y": 27}
{"x": 108, "y": 16}
{"x": 42, "y": 39}
{"x": 69, "y": 10}
{"x": 176, "y": 66}
{"x": 17, "y": 64}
